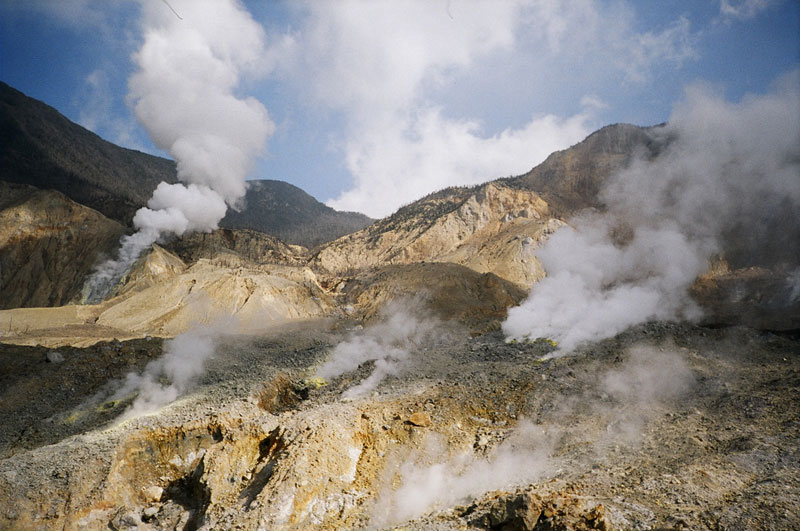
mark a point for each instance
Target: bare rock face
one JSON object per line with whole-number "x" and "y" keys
{"x": 571, "y": 179}
{"x": 250, "y": 245}
{"x": 249, "y": 295}
{"x": 453, "y": 292}
{"x": 165, "y": 297}
{"x": 490, "y": 228}
{"x": 159, "y": 265}
{"x": 767, "y": 299}
{"x": 48, "y": 244}
{"x": 528, "y": 511}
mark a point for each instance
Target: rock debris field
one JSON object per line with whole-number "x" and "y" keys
{"x": 666, "y": 426}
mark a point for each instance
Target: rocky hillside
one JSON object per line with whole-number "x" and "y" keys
{"x": 248, "y": 245}
{"x": 44, "y": 149}
{"x": 488, "y": 228}
{"x": 495, "y": 227}
{"x": 663, "y": 427}
{"x": 164, "y": 296}
{"x": 569, "y": 180}
{"x": 48, "y": 245}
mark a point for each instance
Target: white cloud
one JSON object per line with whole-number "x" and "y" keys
{"x": 590, "y": 101}
{"x": 603, "y": 35}
{"x": 402, "y": 161}
{"x": 674, "y": 44}
{"x": 368, "y": 57}
{"x": 388, "y": 69}
{"x": 742, "y": 9}
{"x": 97, "y": 112}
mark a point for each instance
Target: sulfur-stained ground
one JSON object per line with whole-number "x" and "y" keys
{"x": 664, "y": 427}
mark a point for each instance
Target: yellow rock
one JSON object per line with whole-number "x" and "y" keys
{"x": 421, "y": 419}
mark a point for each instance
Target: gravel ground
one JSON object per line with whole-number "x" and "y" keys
{"x": 664, "y": 426}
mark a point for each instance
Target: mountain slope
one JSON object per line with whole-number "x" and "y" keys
{"x": 495, "y": 227}
{"x": 42, "y": 148}
{"x": 48, "y": 244}
{"x": 569, "y": 180}
{"x": 287, "y": 212}
{"x": 491, "y": 228}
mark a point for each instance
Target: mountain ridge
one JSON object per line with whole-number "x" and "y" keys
{"x": 570, "y": 179}
{"x": 288, "y": 212}
{"x": 43, "y": 148}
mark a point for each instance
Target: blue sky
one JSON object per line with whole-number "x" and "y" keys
{"x": 373, "y": 104}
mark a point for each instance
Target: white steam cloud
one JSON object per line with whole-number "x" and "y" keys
{"x": 184, "y": 95}
{"x": 170, "y": 376}
{"x": 613, "y": 412}
{"x": 524, "y": 457}
{"x": 403, "y": 330}
{"x": 727, "y": 181}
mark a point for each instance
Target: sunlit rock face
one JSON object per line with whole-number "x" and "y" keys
{"x": 48, "y": 244}
{"x": 489, "y": 228}
{"x": 164, "y": 297}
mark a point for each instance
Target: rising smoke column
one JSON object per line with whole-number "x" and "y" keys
{"x": 191, "y": 61}
{"x": 727, "y": 181}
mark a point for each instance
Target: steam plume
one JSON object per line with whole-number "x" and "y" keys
{"x": 168, "y": 377}
{"x": 727, "y": 182}
{"x": 184, "y": 95}
{"x": 648, "y": 382}
{"x": 390, "y": 343}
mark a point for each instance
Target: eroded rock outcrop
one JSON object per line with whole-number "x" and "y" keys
{"x": 490, "y": 228}
{"x": 453, "y": 292}
{"x": 48, "y": 244}
{"x": 164, "y": 297}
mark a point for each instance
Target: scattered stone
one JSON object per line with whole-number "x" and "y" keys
{"x": 125, "y": 520}
{"x": 421, "y": 419}
{"x": 153, "y": 493}
{"x": 150, "y": 512}
{"x": 527, "y": 511}
{"x": 54, "y": 356}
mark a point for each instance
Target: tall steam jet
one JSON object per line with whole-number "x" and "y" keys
{"x": 194, "y": 54}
